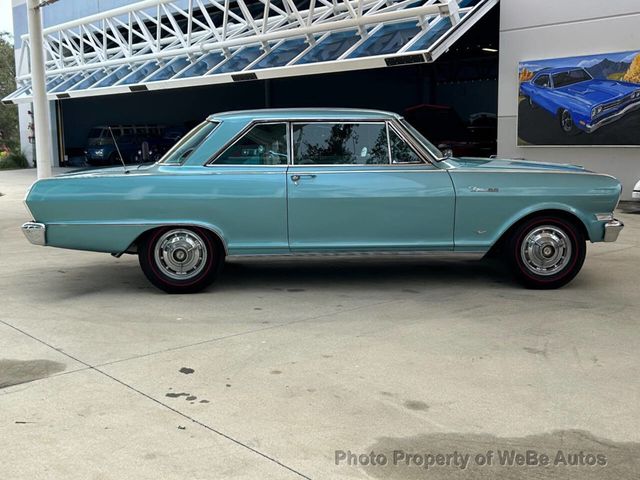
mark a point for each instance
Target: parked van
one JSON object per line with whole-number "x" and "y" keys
{"x": 101, "y": 149}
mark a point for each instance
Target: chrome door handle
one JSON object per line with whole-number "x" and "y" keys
{"x": 296, "y": 178}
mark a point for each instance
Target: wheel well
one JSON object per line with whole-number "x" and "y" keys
{"x": 133, "y": 248}
{"x": 570, "y": 217}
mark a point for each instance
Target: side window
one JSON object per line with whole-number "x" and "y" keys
{"x": 264, "y": 144}
{"x": 340, "y": 144}
{"x": 401, "y": 151}
{"x": 542, "y": 81}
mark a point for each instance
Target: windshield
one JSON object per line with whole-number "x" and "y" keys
{"x": 569, "y": 78}
{"x": 431, "y": 148}
{"x": 182, "y": 150}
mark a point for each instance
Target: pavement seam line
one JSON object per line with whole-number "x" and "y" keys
{"x": 168, "y": 407}
{"x": 239, "y": 334}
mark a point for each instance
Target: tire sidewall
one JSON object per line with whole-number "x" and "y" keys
{"x": 574, "y": 129}
{"x": 171, "y": 285}
{"x": 530, "y": 279}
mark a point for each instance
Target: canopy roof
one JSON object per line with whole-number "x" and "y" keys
{"x": 162, "y": 44}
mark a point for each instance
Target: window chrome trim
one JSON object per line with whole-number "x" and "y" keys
{"x": 240, "y": 135}
{"x": 389, "y": 144}
{"x": 408, "y": 137}
{"x": 395, "y": 124}
{"x": 424, "y": 160}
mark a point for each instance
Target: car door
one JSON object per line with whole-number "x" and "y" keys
{"x": 350, "y": 189}
{"x": 248, "y": 190}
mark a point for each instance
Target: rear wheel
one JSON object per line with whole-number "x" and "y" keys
{"x": 180, "y": 259}
{"x": 546, "y": 252}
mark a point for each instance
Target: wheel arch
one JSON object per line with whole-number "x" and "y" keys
{"x": 555, "y": 211}
{"x": 215, "y": 233}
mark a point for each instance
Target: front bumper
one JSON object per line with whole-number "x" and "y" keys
{"x": 612, "y": 229}
{"x": 35, "y": 233}
{"x": 590, "y": 128}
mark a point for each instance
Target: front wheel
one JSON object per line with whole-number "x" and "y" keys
{"x": 567, "y": 124}
{"x": 180, "y": 260}
{"x": 546, "y": 252}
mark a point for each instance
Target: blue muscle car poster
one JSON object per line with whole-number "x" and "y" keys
{"x": 588, "y": 100}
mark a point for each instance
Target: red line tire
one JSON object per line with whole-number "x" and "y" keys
{"x": 546, "y": 252}
{"x": 180, "y": 259}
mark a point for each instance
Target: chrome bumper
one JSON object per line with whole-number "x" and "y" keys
{"x": 35, "y": 233}
{"x": 612, "y": 229}
{"x": 612, "y": 118}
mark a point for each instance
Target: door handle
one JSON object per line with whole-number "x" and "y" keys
{"x": 296, "y": 178}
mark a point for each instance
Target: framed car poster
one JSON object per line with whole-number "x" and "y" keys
{"x": 587, "y": 100}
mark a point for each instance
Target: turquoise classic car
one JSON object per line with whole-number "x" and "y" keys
{"x": 312, "y": 181}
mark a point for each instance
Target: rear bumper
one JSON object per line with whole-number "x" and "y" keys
{"x": 35, "y": 233}
{"x": 612, "y": 229}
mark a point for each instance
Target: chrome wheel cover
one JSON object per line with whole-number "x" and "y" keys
{"x": 546, "y": 250}
{"x": 180, "y": 254}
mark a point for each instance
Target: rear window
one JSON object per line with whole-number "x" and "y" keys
{"x": 182, "y": 150}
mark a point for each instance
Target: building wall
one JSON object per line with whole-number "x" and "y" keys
{"x": 532, "y": 30}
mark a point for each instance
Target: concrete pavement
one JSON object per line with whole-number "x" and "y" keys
{"x": 281, "y": 364}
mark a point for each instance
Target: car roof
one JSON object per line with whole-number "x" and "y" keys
{"x": 304, "y": 113}
{"x": 553, "y": 70}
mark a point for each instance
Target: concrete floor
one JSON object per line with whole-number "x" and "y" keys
{"x": 284, "y": 363}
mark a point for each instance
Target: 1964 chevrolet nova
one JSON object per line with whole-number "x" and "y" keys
{"x": 273, "y": 182}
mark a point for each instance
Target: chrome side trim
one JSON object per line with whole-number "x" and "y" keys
{"x": 439, "y": 254}
{"x": 373, "y": 170}
{"x": 524, "y": 170}
{"x": 612, "y": 229}
{"x": 35, "y": 233}
{"x": 604, "y": 217}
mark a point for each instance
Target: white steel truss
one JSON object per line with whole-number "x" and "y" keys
{"x": 158, "y": 44}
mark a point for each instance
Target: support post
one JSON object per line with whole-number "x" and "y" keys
{"x": 40, "y": 102}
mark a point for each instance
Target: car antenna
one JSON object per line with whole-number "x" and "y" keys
{"x": 124, "y": 165}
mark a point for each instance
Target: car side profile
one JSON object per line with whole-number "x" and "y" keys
{"x": 324, "y": 181}
{"x": 578, "y": 101}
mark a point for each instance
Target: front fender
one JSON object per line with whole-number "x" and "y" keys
{"x": 489, "y": 203}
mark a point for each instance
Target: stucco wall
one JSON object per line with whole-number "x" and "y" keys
{"x": 531, "y": 30}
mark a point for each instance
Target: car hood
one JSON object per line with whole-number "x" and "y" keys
{"x": 509, "y": 164}
{"x": 598, "y": 91}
